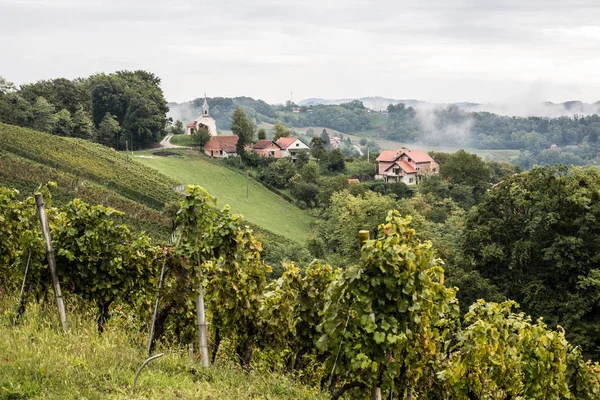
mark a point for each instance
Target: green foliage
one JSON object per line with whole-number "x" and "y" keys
{"x": 281, "y": 131}
{"x": 469, "y": 173}
{"x": 279, "y": 173}
{"x": 43, "y": 115}
{"x": 134, "y": 98}
{"x": 243, "y": 128}
{"x": 334, "y": 161}
{"x": 501, "y": 354}
{"x": 262, "y": 134}
{"x": 108, "y": 128}
{"x": 539, "y": 229}
{"x": 20, "y": 233}
{"x": 177, "y": 128}
{"x": 92, "y": 162}
{"x": 397, "y": 309}
{"x": 63, "y": 124}
{"x": 200, "y": 137}
{"x": 349, "y": 214}
{"x": 220, "y": 254}
{"x": 318, "y": 147}
{"x": 100, "y": 260}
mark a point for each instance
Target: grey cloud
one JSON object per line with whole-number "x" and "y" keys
{"x": 435, "y": 50}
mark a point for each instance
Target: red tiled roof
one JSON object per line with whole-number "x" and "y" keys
{"x": 418, "y": 156}
{"x": 388, "y": 155}
{"x": 406, "y": 167}
{"x": 263, "y": 144}
{"x": 285, "y": 142}
{"x": 191, "y": 125}
{"x": 226, "y": 143}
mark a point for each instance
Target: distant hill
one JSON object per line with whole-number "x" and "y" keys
{"x": 542, "y": 109}
{"x": 221, "y": 109}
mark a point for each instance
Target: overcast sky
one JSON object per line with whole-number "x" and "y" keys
{"x": 444, "y": 50}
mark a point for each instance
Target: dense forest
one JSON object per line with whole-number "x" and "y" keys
{"x": 112, "y": 109}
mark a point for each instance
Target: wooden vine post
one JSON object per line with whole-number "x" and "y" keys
{"x": 41, "y": 206}
{"x": 201, "y": 316}
{"x": 363, "y": 236}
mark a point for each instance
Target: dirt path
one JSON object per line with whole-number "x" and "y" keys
{"x": 166, "y": 143}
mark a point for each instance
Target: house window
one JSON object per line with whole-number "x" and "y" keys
{"x": 221, "y": 152}
{"x": 297, "y": 144}
{"x": 271, "y": 153}
{"x": 396, "y": 171}
{"x": 410, "y": 180}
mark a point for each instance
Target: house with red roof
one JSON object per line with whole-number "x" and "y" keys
{"x": 221, "y": 146}
{"x": 405, "y": 165}
{"x": 290, "y": 147}
{"x": 267, "y": 148}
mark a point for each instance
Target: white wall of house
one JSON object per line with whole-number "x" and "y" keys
{"x": 294, "y": 148}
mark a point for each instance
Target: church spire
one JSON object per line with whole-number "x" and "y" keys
{"x": 205, "y": 106}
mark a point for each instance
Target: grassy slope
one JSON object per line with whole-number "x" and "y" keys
{"x": 96, "y": 174}
{"x": 262, "y": 207}
{"x": 37, "y": 361}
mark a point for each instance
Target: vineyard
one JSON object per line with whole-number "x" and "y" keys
{"x": 387, "y": 325}
{"x": 93, "y": 162}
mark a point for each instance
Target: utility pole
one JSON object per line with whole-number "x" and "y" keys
{"x": 126, "y": 154}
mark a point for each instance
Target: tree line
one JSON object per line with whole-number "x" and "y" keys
{"x": 112, "y": 109}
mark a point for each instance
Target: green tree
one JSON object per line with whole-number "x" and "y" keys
{"x": 279, "y": 173}
{"x": 317, "y": 148}
{"x": 108, "y": 130}
{"x": 302, "y": 159}
{"x": 43, "y": 115}
{"x": 335, "y": 161}
{"x": 6, "y": 86}
{"x": 281, "y": 131}
{"x": 177, "y": 128}
{"x": 536, "y": 238}
{"x": 63, "y": 124}
{"x": 200, "y": 137}
{"x": 462, "y": 168}
{"x": 348, "y": 214}
{"x": 242, "y": 127}
{"x": 83, "y": 126}
{"x": 262, "y": 134}
{"x": 325, "y": 137}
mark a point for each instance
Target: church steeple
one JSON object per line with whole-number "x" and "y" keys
{"x": 205, "y": 106}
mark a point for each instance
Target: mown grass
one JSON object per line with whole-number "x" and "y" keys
{"x": 261, "y": 207}
{"x": 38, "y": 361}
{"x": 182, "y": 140}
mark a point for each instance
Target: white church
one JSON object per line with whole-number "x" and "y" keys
{"x": 204, "y": 120}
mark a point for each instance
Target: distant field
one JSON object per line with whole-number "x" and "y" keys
{"x": 488, "y": 155}
{"x": 262, "y": 207}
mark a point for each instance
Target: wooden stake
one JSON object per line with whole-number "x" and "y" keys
{"x": 376, "y": 393}
{"x": 201, "y": 316}
{"x": 39, "y": 198}
{"x": 363, "y": 236}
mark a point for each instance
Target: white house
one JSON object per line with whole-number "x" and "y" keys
{"x": 290, "y": 147}
{"x": 405, "y": 165}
